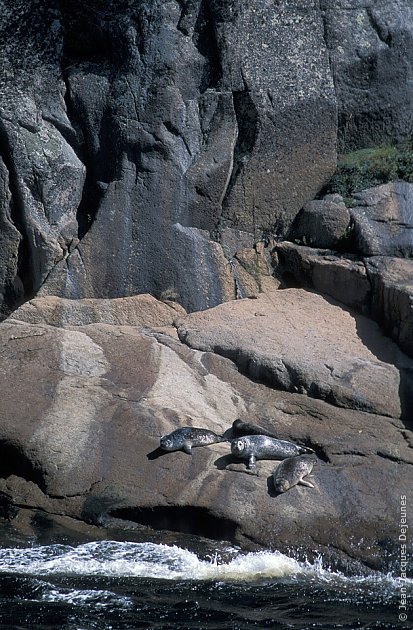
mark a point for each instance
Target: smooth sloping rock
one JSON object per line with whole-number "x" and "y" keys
{"x": 378, "y": 286}
{"x": 139, "y": 310}
{"x": 343, "y": 277}
{"x": 300, "y": 342}
{"x": 383, "y": 222}
{"x": 82, "y": 411}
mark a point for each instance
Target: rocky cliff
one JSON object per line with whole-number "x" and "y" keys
{"x": 186, "y": 150}
{"x": 138, "y": 139}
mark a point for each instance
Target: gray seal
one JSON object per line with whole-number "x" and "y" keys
{"x": 240, "y": 428}
{"x": 291, "y": 471}
{"x": 186, "y": 438}
{"x": 253, "y": 447}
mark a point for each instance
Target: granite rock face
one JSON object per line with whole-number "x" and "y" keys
{"x": 134, "y": 134}
{"x": 139, "y": 310}
{"x": 166, "y": 148}
{"x": 371, "y": 51}
{"x": 383, "y": 220}
{"x": 83, "y": 408}
{"x": 132, "y": 131}
{"x": 343, "y": 277}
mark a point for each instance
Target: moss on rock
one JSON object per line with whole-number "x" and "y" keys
{"x": 371, "y": 167}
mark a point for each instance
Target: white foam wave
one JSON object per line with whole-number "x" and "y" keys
{"x": 157, "y": 561}
{"x": 77, "y": 597}
{"x": 143, "y": 560}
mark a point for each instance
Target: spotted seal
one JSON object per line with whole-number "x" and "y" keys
{"x": 253, "y": 447}
{"x": 241, "y": 428}
{"x": 185, "y": 438}
{"x": 290, "y": 472}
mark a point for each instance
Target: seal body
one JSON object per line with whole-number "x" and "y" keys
{"x": 186, "y": 438}
{"x": 253, "y": 447}
{"x": 241, "y": 428}
{"x": 291, "y": 471}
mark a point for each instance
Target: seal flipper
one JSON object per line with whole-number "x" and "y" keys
{"x": 303, "y": 482}
{"x": 187, "y": 448}
{"x": 252, "y": 462}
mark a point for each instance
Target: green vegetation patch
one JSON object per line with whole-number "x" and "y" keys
{"x": 371, "y": 167}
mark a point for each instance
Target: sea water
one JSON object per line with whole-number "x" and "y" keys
{"x": 119, "y": 585}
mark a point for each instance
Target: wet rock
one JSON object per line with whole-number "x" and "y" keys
{"x": 194, "y": 270}
{"x": 383, "y": 220}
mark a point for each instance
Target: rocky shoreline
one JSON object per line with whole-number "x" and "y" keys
{"x": 206, "y": 214}
{"x": 82, "y": 418}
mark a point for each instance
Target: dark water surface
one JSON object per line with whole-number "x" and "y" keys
{"x": 113, "y": 585}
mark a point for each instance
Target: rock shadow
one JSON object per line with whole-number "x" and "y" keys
{"x": 387, "y": 350}
{"x": 158, "y": 452}
{"x": 222, "y": 462}
{"x": 270, "y": 487}
{"x": 375, "y": 337}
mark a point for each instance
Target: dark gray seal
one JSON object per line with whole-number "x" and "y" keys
{"x": 290, "y": 472}
{"x": 253, "y": 447}
{"x": 241, "y": 428}
{"x": 186, "y": 438}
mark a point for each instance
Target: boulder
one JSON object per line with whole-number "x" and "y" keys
{"x": 383, "y": 220}
{"x": 322, "y": 223}
{"x": 83, "y": 408}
